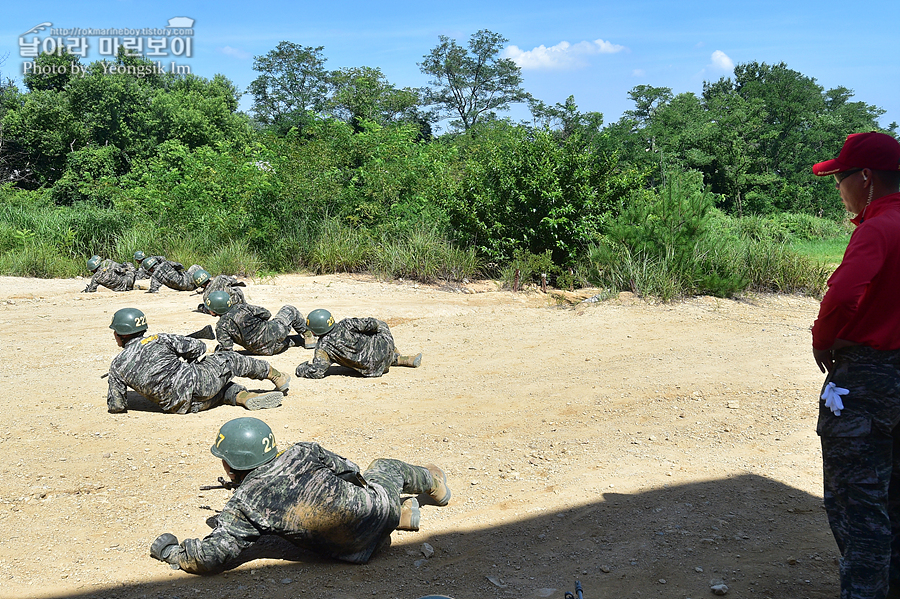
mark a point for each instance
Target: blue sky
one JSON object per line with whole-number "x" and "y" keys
{"x": 596, "y": 51}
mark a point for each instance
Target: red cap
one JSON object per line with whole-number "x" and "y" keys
{"x": 877, "y": 151}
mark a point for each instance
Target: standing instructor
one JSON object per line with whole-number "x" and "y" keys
{"x": 856, "y": 340}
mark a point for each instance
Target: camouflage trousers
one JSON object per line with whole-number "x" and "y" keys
{"x": 214, "y": 381}
{"x": 861, "y": 470}
{"x": 287, "y": 318}
{"x": 387, "y": 479}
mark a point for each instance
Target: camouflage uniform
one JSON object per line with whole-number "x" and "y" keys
{"x": 143, "y": 274}
{"x": 363, "y": 344}
{"x": 112, "y": 275}
{"x": 163, "y": 368}
{"x": 858, "y": 450}
{"x": 172, "y": 274}
{"x": 313, "y": 498}
{"x": 249, "y": 326}
{"x": 225, "y": 283}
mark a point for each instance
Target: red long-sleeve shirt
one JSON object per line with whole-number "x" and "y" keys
{"x": 862, "y": 304}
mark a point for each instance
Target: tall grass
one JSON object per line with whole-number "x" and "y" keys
{"x": 340, "y": 248}
{"x": 721, "y": 267}
{"x": 425, "y": 255}
{"x": 39, "y": 260}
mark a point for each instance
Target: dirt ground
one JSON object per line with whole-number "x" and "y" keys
{"x": 647, "y": 450}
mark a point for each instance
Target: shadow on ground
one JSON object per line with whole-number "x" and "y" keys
{"x": 760, "y": 537}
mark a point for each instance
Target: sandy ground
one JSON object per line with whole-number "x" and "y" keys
{"x": 645, "y": 450}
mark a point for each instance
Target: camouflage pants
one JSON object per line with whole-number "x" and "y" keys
{"x": 398, "y": 478}
{"x": 861, "y": 476}
{"x": 386, "y": 479}
{"x": 287, "y": 318}
{"x": 215, "y": 374}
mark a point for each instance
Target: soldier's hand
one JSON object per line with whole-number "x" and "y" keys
{"x": 163, "y": 547}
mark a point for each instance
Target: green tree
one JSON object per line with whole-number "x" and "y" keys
{"x": 62, "y": 67}
{"x": 526, "y": 190}
{"x": 472, "y": 83}
{"x": 364, "y": 94}
{"x": 647, "y": 101}
{"x": 292, "y": 85}
{"x": 565, "y": 117}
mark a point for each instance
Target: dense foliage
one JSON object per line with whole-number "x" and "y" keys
{"x": 339, "y": 171}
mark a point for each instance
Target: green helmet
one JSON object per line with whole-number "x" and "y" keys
{"x": 139, "y": 256}
{"x": 245, "y": 443}
{"x": 94, "y": 263}
{"x": 128, "y": 321}
{"x": 200, "y": 277}
{"x": 149, "y": 262}
{"x": 320, "y": 321}
{"x": 219, "y": 302}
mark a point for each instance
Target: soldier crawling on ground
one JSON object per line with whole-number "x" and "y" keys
{"x": 307, "y": 495}
{"x": 174, "y": 371}
{"x": 139, "y": 258}
{"x": 110, "y": 274}
{"x": 362, "y": 344}
{"x": 226, "y": 283}
{"x": 169, "y": 273}
{"x": 250, "y": 326}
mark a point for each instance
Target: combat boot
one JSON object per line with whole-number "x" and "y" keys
{"x": 409, "y": 514}
{"x": 411, "y": 361}
{"x": 281, "y": 380}
{"x": 258, "y": 401}
{"x": 439, "y": 492}
{"x": 309, "y": 339}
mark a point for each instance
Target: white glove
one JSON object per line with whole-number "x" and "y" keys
{"x": 832, "y": 396}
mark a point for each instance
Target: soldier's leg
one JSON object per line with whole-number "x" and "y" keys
{"x": 292, "y": 317}
{"x": 402, "y": 478}
{"x": 383, "y": 352}
{"x": 894, "y": 514}
{"x": 218, "y": 370}
{"x": 856, "y": 476}
{"x": 410, "y": 361}
{"x": 289, "y": 317}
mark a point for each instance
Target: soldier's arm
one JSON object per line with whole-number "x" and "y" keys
{"x": 316, "y": 368}
{"x": 186, "y": 347}
{"x": 224, "y": 335}
{"x": 155, "y": 282}
{"x": 116, "y": 398}
{"x": 92, "y": 285}
{"x": 232, "y": 535}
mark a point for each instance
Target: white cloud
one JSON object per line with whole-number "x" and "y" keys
{"x": 235, "y": 52}
{"x": 721, "y": 65}
{"x": 561, "y": 56}
{"x": 638, "y": 73}
{"x": 721, "y": 61}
